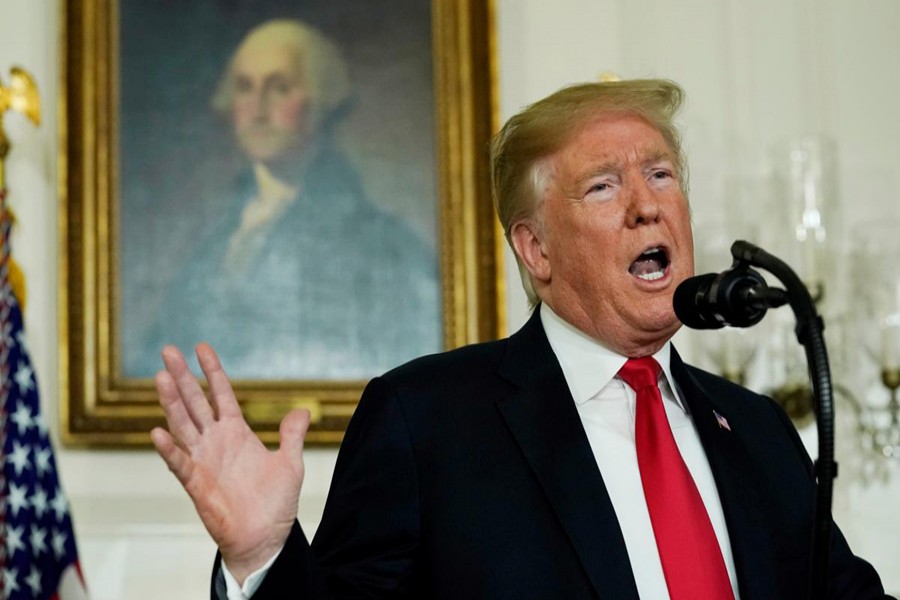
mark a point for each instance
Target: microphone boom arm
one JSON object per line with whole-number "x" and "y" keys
{"x": 809, "y": 330}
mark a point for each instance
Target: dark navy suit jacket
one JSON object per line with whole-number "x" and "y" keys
{"x": 468, "y": 475}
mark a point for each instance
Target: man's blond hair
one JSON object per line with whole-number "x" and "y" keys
{"x": 518, "y": 174}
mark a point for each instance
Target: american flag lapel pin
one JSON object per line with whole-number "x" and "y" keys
{"x": 723, "y": 422}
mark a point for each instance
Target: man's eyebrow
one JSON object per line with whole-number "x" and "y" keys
{"x": 616, "y": 165}
{"x": 613, "y": 165}
{"x": 654, "y": 156}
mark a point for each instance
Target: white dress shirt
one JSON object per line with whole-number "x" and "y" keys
{"x": 236, "y": 591}
{"x": 606, "y": 405}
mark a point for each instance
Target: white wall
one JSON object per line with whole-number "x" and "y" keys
{"x": 755, "y": 73}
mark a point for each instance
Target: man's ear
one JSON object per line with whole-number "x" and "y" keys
{"x": 530, "y": 249}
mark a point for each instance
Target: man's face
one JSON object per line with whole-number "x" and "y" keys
{"x": 270, "y": 107}
{"x": 615, "y": 235}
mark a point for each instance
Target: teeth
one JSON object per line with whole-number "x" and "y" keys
{"x": 652, "y": 276}
{"x": 649, "y": 251}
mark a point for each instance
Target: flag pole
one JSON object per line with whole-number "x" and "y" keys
{"x": 21, "y": 96}
{"x": 38, "y": 553}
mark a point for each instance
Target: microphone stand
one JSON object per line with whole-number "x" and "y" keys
{"x": 809, "y": 332}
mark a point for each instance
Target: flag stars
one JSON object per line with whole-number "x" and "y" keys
{"x": 41, "y": 425}
{"x": 20, "y": 337}
{"x": 24, "y": 377}
{"x": 38, "y": 540}
{"x": 22, "y": 418}
{"x": 59, "y": 505}
{"x": 9, "y": 581}
{"x": 58, "y": 541}
{"x": 42, "y": 458}
{"x": 39, "y": 502}
{"x": 34, "y": 581}
{"x": 19, "y": 458}
{"x": 17, "y": 499}
{"x": 14, "y": 541}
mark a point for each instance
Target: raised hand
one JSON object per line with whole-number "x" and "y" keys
{"x": 245, "y": 494}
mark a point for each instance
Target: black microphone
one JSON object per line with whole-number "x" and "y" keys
{"x": 738, "y": 297}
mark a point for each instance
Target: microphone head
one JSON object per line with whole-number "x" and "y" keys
{"x": 692, "y": 306}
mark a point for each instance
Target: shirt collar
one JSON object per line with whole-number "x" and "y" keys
{"x": 588, "y": 365}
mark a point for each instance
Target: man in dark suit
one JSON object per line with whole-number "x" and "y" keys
{"x": 580, "y": 458}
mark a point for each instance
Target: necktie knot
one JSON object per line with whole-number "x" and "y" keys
{"x": 640, "y": 373}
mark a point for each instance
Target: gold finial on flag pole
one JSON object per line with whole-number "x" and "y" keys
{"x": 21, "y": 95}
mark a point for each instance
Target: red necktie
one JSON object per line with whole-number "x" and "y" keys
{"x": 691, "y": 559}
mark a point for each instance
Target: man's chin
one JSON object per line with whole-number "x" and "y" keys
{"x": 265, "y": 148}
{"x": 263, "y": 154}
{"x": 663, "y": 325}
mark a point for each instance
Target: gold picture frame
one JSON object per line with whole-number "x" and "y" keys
{"x": 101, "y": 407}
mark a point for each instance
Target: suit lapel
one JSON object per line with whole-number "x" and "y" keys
{"x": 751, "y": 538}
{"x": 544, "y": 421}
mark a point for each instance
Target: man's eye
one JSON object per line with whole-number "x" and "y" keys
{"x": 599, "y": 187}
{"x": 661, "y": 175}
{"x": 280, "y": 85}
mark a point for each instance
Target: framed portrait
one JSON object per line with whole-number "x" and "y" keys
{"x": 303, "y": 185}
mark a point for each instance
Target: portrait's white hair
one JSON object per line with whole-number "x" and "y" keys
{"x": 321, "y": 67}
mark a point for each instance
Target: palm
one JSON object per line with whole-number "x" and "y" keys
{"x": 240, "y": 488}
{"x": 245, "y": 494}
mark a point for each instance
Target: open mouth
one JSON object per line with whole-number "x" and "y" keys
{"x": 651, "y": 264}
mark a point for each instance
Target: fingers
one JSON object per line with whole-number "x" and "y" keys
{"x": 180, "y": 423}
{"x": 292, "y": 432}
{"x": 191, "y": 393}
{"x": 219, "y": 386}
{"x": 176, "y": 458}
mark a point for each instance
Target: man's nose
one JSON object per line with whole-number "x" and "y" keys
{"x": 259, "y": 103}
{"x": 643, "y": 205}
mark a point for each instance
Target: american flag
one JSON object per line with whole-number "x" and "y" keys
{"x": 37, "y": 543}
{"x": 723, "y": 422}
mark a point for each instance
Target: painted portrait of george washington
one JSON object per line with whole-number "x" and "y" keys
{"x": 278, "y": 193}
